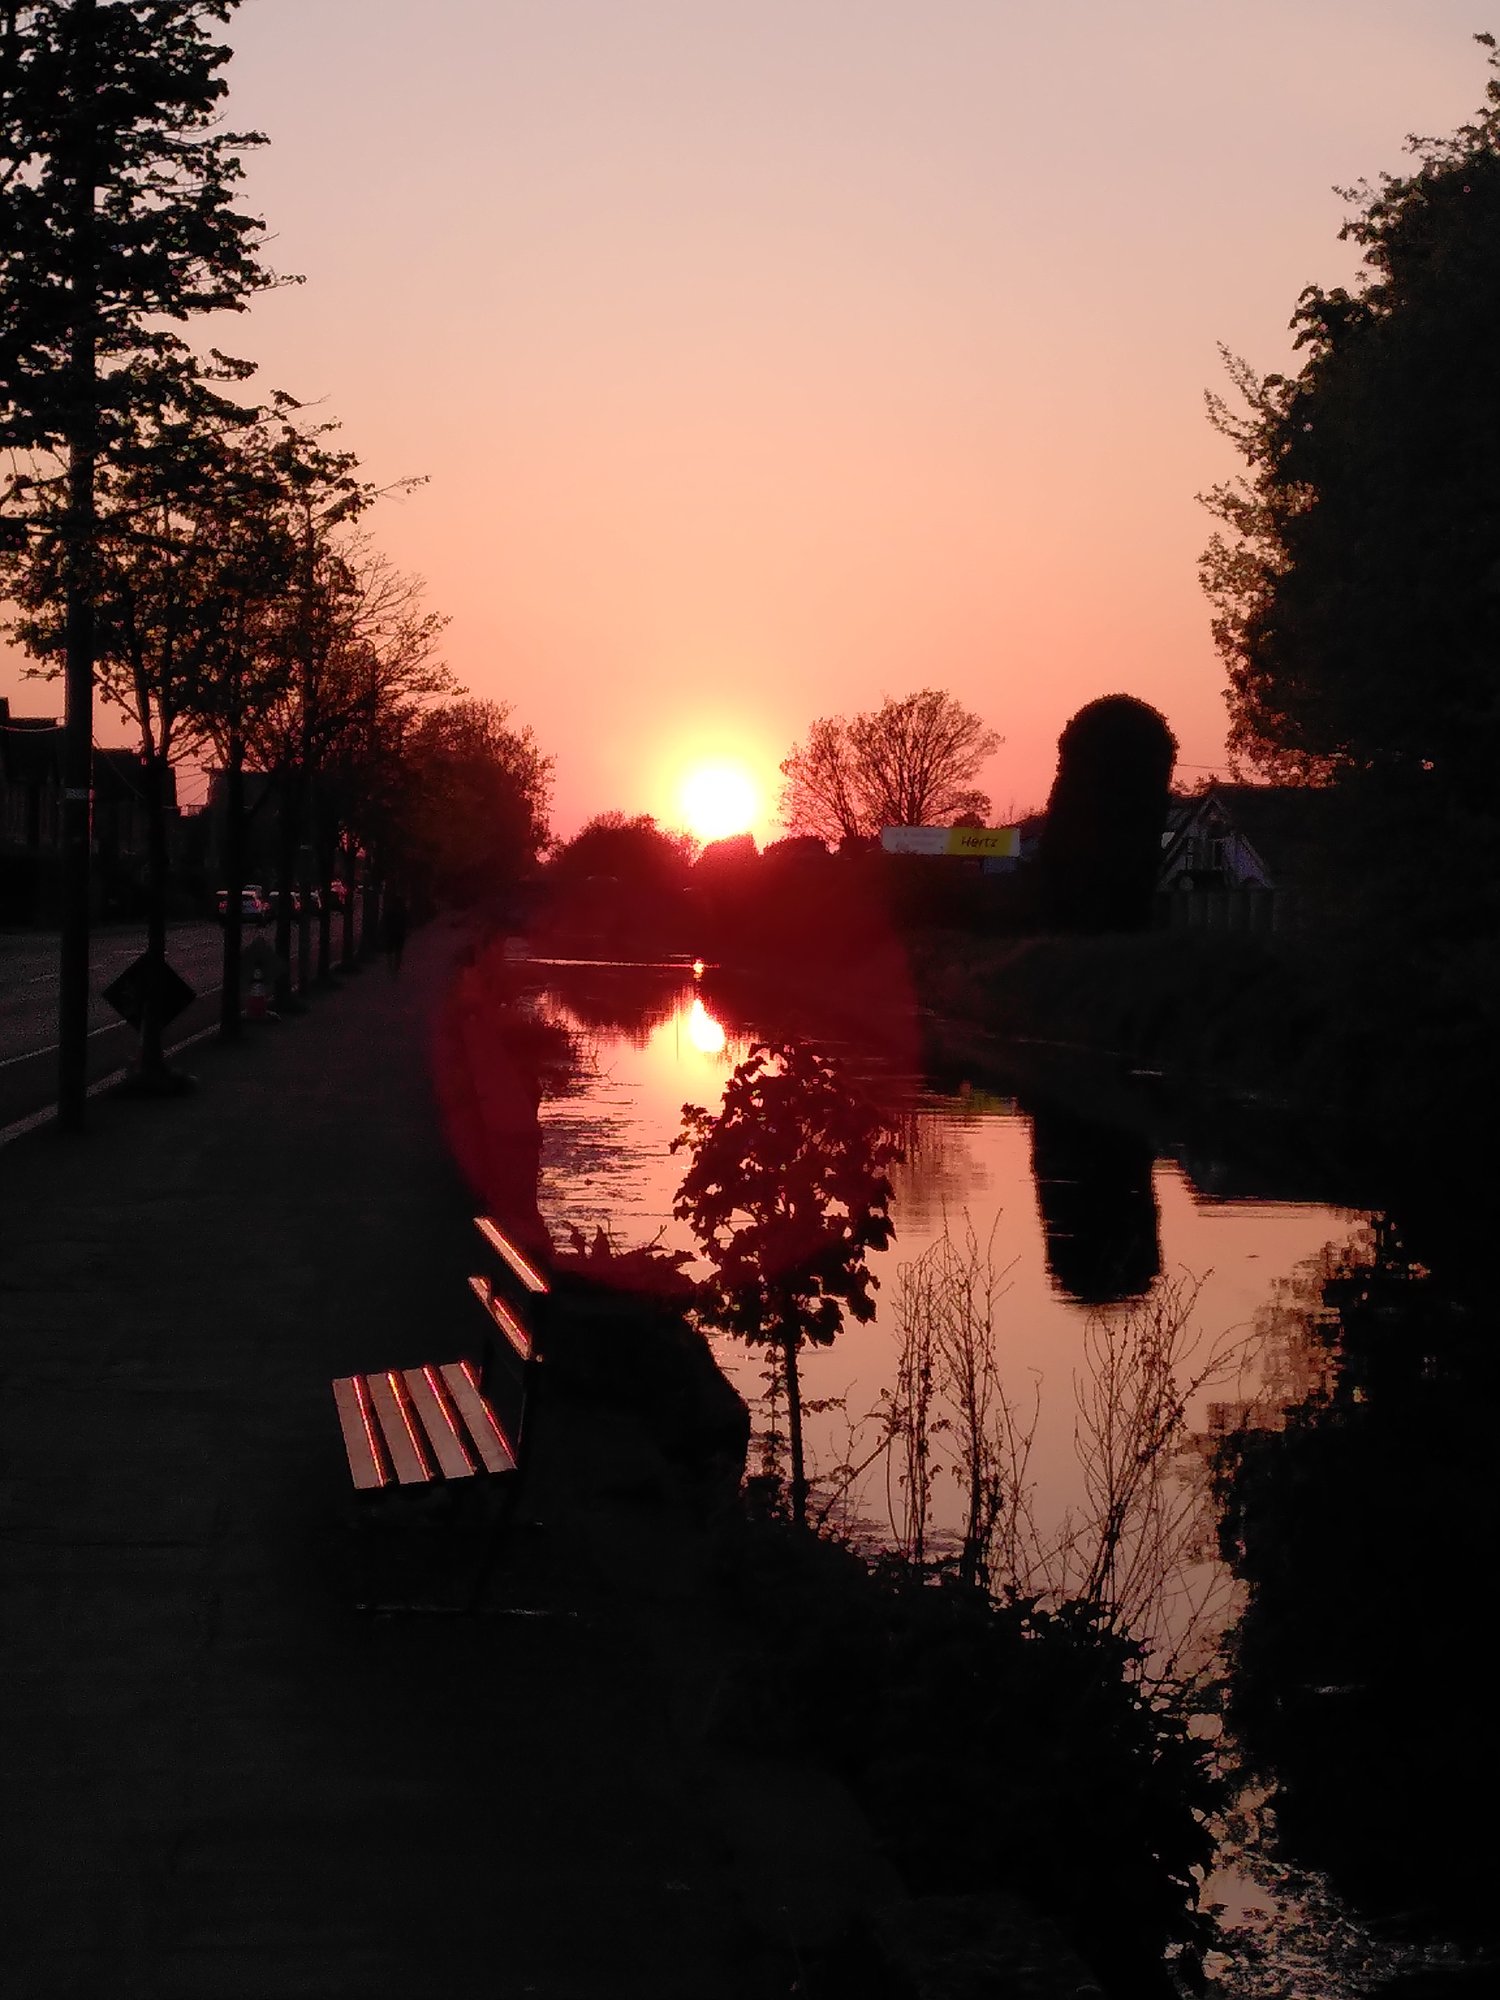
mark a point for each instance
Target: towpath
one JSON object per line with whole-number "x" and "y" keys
{"x": 216, "y": 1778}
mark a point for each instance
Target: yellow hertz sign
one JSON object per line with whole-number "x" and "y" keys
{"x": 980, "y": 843}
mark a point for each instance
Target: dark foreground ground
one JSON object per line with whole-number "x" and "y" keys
{"x": 217, "y": 1778}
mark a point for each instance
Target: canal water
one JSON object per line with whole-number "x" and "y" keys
{"x": 1171, "y": 1331}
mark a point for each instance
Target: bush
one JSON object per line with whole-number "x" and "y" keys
{"x": 992, "y": 1745}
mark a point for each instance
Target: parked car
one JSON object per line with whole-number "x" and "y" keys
{"x": 255, "y": 907}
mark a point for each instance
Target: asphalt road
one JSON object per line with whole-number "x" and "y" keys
{"x": 28, "y": 1004}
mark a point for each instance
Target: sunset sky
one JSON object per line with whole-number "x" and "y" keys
{"x": 768, "y": 359}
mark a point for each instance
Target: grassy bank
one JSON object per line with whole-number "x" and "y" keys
{"x": 1395, "y": 1052}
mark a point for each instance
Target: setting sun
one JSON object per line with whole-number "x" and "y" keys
{"x": 719, "y": 799}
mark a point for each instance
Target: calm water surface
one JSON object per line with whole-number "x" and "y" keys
{"x": 1070, "y": 1215}
{"x": 606, "y": 1160}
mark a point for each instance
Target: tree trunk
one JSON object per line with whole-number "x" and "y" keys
{"x": 304, "y": 918}
{"x": 77, "y": 798}
{"x": 346, "y": 954}
{"x": 230, "y": 1025}
{"x": 78, "y": 671}
{"x": 794, "y": 1427}
{"x": 286, "y": 881}
{"x": 369, "y": 927}
{"x": 327, "y": 838}
{"x": 153, "y": 1061}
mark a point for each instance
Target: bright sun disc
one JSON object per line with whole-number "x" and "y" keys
{"x": 719, "y": 799}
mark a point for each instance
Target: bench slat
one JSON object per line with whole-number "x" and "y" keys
{"x": 530, "y": 1277}
{"x": 429, "y": 1400}
{"x": 398, "y": 1430}
{"x": 483, "y": 1426}
{"x": 361, "y": 1438}
{"x": 502, "y": 1315}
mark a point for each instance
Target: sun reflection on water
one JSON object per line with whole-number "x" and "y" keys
{"x": 704, "y": 1032}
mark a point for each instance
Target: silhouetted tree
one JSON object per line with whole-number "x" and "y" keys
{"x": 910, "y": 762}
{"x": 362, "y": 664}
{"x": 182, "y": 549}
{"x": 797, "y": 849}
{"x": 1101, "y": 840}
{"x": 787, "y": 1193}
{"x": 116, "y": 221}
{"x": 633, "y": 850}
{"x": 1354, "y": 582}
{"x": 270, "y": 471}
{"x": 729, "y": 856}
{"x": 1355, "y": 590}
{"x": 623, "y": 882}
{"x": 475, "y": 787}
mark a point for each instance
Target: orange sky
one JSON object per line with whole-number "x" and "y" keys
{"x": 765, "y": 360}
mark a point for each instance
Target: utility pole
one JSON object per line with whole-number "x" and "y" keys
{"x": 78, "y": 713}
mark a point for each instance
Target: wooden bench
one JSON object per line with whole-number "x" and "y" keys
{"x": 436, "y": 1452}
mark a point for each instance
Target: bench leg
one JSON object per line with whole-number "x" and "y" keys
{"x": 430, "y": 1550}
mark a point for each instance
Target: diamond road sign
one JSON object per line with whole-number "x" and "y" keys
{"x": 127, "y": 994}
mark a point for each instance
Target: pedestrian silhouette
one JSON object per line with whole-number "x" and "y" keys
{"x": 393, "y": 930}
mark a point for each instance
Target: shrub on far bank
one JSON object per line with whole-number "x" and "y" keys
{"x": 1101, "y": 839}
{"x": 1395, "y": 1056}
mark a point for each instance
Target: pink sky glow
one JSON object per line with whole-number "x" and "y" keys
{"x": 766, "y": 360}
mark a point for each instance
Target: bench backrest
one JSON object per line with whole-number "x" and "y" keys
{"x": 519, "y": 1267}
{"x": 451, "y": 1420}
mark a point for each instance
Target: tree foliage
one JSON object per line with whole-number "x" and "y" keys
{"x": 117, "y": 217}
{"x": 475, "y": 793}
{"x": 633, "y": 849}
{"x": 1356, "y": 581}
{"x": 167, "y": 563}
{"x": 1101, "y": 839}
{"x": 787, "y": 1193}
{"x": 910, "y": 762}
{"x": 185, "y": 570}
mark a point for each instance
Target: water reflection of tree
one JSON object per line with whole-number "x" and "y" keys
{"x": 1358, "y": 1501}
{"x": 1098, "y": 1205}
{"x": 1141, "y": 1545}
{"x": 1137, "y": 1551}
{"x": 1106, "y": 1573}
{"x": 938, "y": 1170}
{"x": 631, "y": 1001}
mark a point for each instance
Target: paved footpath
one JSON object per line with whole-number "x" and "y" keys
{"x": 217, "y": 1780}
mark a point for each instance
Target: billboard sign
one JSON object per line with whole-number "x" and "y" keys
{"x": 976, "y": 843}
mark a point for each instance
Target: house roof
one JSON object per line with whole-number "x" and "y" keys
{"x": 1276, "y": 817}
{"x": 1287, "y": 825}
{"x": 30, "y": 746}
